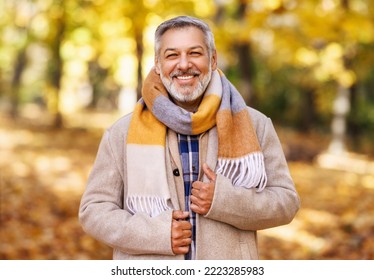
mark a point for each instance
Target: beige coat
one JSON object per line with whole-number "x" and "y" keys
{"x": 228, "y": 231}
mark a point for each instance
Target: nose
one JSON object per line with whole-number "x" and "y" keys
{"x": 184, "y": 62}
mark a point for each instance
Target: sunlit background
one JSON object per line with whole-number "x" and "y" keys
{"x": 70, "y": 68}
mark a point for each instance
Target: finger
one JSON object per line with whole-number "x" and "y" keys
{"x": 185, "y": 225}
{"x": 194, "y": 207}
{"x": 195, "y": 200}
{"x": 197, "y": 209}
{"x": 179, "y": 214}
{"x": 179, "y": 234}
{"x": 187, "y": 241}
{"x": 180, "y": 231}
{"x": 197, "y": 185}
{"x": 187, "y": 233}
{"x": 180, "y": 243}
{"x": 202, "y": 193}
{"x": 195, "y": 192}
{"x": 181, "y": 250}
{"x": 199, "y": 206}
{"x": 180, "y": 225}
{"x": 209, "y": 172}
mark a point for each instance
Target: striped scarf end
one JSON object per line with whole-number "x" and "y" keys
{"x": 248, "y": 171}
{"x": 151, "y": 205}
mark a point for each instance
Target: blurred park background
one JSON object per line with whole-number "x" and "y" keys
{"x": 69, "y": 68}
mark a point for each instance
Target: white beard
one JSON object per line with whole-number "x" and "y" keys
{"x": 192, "y": 96}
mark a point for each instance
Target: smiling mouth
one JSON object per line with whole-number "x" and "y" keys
{"x": 184, "y": 77}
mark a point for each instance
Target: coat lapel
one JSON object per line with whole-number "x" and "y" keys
{"x": 211, "y": 149}
{"x": 174, "y": 162}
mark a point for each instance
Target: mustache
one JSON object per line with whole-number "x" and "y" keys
{"x": 181, "y": 73}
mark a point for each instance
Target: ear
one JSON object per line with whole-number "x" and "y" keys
{"x": 157, "y": 68}
{"x": 214, "y": 60}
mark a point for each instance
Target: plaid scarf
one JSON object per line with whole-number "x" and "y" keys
{"x": 239, "y": 154}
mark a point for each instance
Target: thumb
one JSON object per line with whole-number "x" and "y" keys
{"x": 209, "y": 172}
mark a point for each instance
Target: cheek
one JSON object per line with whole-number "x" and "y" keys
{"x": 167, "y": 67}
{"x": 203, "y": 65}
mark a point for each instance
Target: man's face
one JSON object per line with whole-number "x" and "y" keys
{"x": 184, "y": 64}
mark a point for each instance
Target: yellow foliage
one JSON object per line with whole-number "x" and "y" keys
{"x": 306, "y": 57}
{"x": 203, "y": 8}
{"x": 273, "y": 4}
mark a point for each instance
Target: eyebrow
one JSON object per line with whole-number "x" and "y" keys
{"x": 191, "y": 48}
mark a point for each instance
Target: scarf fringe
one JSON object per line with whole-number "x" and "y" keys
{"x": 152, "y": 205}
{"x": 247, "y": 171}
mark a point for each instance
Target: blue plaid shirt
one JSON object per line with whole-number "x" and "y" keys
{"x": 189, "y": 152}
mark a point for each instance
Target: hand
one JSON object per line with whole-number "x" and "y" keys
{"x": 180, "y": 232}
{"x": 202, "y": 193}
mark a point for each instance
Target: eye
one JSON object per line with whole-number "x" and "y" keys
{"x": 195, "y": 53}
{"x": 171, "y": 55}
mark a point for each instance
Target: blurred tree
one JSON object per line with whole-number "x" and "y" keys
{"x": 118, "y": 30}
{"x": 236, "y": 13}
{"x": 320, "y": 40}
{"x": 22, "y": 15}
{"x": 19, "y": 67}
{"x": 289, "y": 58}
{"x": 97, "y": 76}
{"x": 58, "y": 21}
{"x": 240, "y": 43}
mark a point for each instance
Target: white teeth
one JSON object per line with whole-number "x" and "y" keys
{"x": 184, "y": 77}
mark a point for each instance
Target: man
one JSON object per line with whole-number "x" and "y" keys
{"x": 193, "y": 172}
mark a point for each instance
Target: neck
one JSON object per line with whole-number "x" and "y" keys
{"x": 190, "y": 106}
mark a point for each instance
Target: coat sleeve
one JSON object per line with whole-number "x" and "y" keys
{"x": 103, "y": 214}
{"x": 248, "y": 209}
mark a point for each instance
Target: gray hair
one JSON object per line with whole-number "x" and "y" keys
{"x": 183, "y": 22}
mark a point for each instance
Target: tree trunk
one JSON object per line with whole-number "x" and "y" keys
{"x": 307, "y": 110}
{"x": 245, "y": 59}
{"x": 56, "y": 67}
{"x": 19, "y": 67}
{"x": 97, "y": 77}
{"x": 341, "y": 109}
{"x": 245, "y": 71}
{"x": 139, "y": 56}
{"x": 353, "y": 128}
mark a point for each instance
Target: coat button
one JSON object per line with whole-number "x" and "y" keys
{"x": 176, "y": 172}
